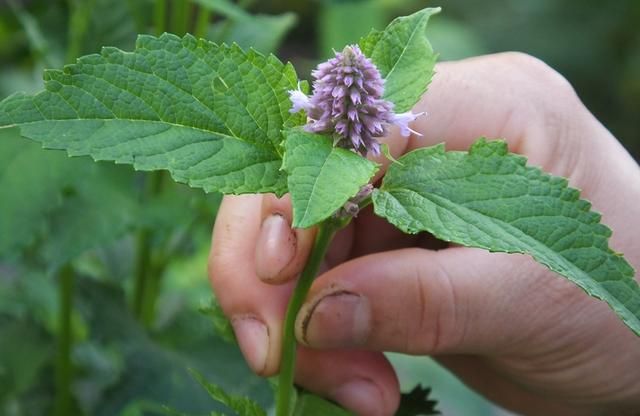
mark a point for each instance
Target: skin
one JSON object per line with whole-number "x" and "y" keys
{"x": 520, "y": 335}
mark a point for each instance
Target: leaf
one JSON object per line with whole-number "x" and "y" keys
{"x": 404, "y": 57}
{"x": 156, "y": 366}
{"x": 224, "y": 7}
{"x": 417, "y": 403}
{"x": 75, "y": 203}
{"x": 243, "y": 406}
{"x": 221, "y": 324}
{"x": 490, "y": 199}
{"x": 342, "y": 23}
{"x": 24, "y": 353}
{"x": 31, "y": 185}
{"x": 100, "y": 208}
{"x": 309, "y": 404}
{"x": 321, "y": 178}
{"x": 261, "y": 32}
{"x": 212, "y": 115}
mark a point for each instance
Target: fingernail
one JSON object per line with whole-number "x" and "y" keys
{"x": 337, "y": 319}
{"x": 253, "y": 337}
{"x": 275, "y": 248}
{"x": 361, "y": 396}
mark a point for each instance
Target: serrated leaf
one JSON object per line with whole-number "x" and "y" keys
{"x": 321, "y": 177}
{"x": 490, "y": 199}
{"x": 243, "y": 406}
{"x": 309, "y": 404}
{"x": 404, "y": 57}
{"x": 221, "y": 324}
{"x": 417, "y": 403}
{"x": 212, "y": 115}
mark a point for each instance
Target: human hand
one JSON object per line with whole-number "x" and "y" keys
{"x": 517, "y": 333}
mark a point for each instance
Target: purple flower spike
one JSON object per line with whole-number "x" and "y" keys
{"x": 347, "y": 103}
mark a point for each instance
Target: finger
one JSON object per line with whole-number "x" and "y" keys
{"x": 280, "y": 251}
{"x": 494, "y": 383}
{"x": 423, "y": 302}
{"x": 255, "y": 309}
{"x": 363, "y": 382}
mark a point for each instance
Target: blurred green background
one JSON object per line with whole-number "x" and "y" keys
{"x": 104, "y": 301}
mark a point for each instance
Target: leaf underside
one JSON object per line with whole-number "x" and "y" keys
{"x": 210, "y": 114}
{"x": 490, "y": 199}
{"x": 404, "y": 58}
{"x": 321, "y": 178}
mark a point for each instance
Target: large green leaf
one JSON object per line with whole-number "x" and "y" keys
{"x": 321, "y": 177}
{"x": 212, "y": 115}
{"x": 490, "y": 199}
{"x": 101, "y": 207}
{"x": 155, "y": 366}
{"x": 404, "y": 57}
{"x": 31, "y": 186}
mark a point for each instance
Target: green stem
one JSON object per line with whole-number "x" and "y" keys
{"x": 160, "y": 16}
{"x": 79, "y": 18}
{"x": 180, "y": 17}
{"x": 143, "y": 259}
{"x": 326, "y": 232}
{"x": 202, "y": 24}
{"x": 64, "y": 371}
{"x": 144, "y": 267}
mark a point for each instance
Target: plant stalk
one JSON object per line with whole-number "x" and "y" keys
{"x": 64, "y": 370}
{"x": 160, "y": 16}
{"x": 202, "y": 22}
{"x": 144, "y": 267}
{"x": 180, "y": 16}
{"x": 326, "y": 232}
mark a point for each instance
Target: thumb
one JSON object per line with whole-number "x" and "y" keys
{"x": 416, "y": 301}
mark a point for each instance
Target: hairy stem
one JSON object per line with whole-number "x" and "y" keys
{"x": 64, "y": 371}
{"x": 326, "y": 232}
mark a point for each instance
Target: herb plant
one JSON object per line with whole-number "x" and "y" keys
{"x": 232, "y": 120}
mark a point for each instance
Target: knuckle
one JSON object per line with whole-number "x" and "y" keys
{"x": 540, "y": 79}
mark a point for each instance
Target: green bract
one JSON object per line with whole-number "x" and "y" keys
{"x": 490, "y": 199}
{"x": 404, "y": 58}
{"x": 321, "y": 177}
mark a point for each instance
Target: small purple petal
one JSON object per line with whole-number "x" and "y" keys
{"x": 402, "y": 120}
{"x": 299, "y": 100}
{"x": 348, "y": 80}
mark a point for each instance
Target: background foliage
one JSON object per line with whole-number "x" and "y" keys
{"x": 136, "y": 244}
